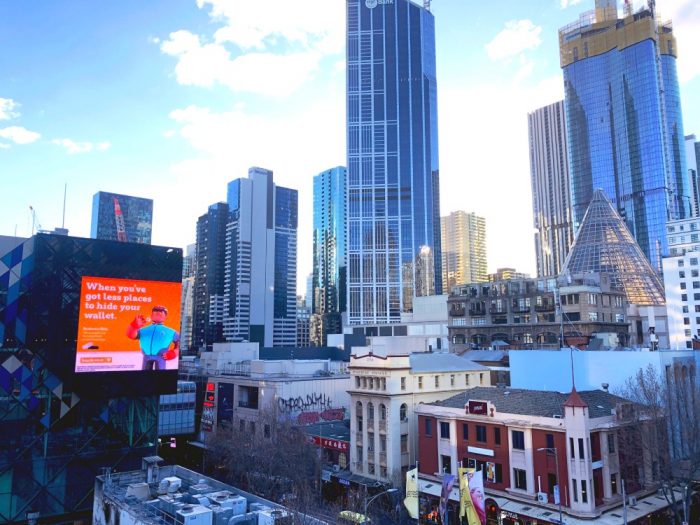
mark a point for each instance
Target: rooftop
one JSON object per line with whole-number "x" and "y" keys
{"x": 442, "y": 362}
{"x": 534, "y": 402}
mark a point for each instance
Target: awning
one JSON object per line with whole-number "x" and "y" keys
{"x": 345, "y": 477}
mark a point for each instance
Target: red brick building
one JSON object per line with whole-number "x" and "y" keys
{"x": 520, "y": 438}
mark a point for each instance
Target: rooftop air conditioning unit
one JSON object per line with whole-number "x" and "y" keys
{"x": 542, "y": 497}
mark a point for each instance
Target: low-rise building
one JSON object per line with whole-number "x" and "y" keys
{"x": 527, "y": 313}
{"x": 384, "y": 392}
{"x": 530, "y": 446}
{"x": 163, "y": 495}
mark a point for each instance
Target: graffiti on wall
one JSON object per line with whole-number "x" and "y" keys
{"x": 310, "y": 408}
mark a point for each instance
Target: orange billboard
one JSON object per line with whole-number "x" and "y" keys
{"x": 128, "y": 325}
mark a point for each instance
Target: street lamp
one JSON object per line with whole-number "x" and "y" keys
{"x": 370, "y": 500}
{"x": 556, "y": 466}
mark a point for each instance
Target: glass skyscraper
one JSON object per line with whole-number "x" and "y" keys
{"x": 327, "y": 299}
{"x": 123, "y": 218}
{"x": 625, "y": 131}
{"x": 393, "y": 176}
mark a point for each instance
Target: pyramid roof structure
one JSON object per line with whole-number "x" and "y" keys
{"x": 604, "y": 245}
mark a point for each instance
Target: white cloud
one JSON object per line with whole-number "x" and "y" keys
{"x": 517, "y": 37}
{"x": 264, "y": 73}
{"x": 270, "y": 48}
{"x": 19, "y": 135}
{"x": 569, "y": 3}
{"x": 7, "y": 109}
{"x": 72, "y": 147}
{"x": 4, "y": 146}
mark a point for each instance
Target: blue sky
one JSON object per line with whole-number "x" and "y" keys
{"x": 171, "y": 99}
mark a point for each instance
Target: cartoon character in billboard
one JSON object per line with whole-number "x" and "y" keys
{"x": 159, "y": 343}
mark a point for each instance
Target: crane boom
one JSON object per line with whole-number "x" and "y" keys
{"x": 119, "y": 220}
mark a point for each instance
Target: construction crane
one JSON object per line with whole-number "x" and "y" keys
{"x": 119, "y": 220}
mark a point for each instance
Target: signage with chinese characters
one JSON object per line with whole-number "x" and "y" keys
{"x": 333, "y": 444}
{"x": 479, "y": 408}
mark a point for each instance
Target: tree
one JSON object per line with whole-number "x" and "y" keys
{"x": 666, "y": 433}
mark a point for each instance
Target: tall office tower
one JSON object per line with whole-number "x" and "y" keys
{"x": 207, "y": 325}
{"x": 692, "y": 156}
{"x": 393, "y": 177}
{"x": 261, "y": 261}
{"x": 551, "y": 197}
{"x": 624, "y": 124}
{"x": 187, "y": 303}
{"x": 121, "y": 218}
{"x": 327, "y": 298}
{"x": 463, "y": 249}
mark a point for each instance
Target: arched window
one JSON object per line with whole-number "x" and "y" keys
{"x": 403, "y": 412}
{"x": 382, "y": 412}
{"x": 358, "y": 416}
{"x": 370, "y": 411}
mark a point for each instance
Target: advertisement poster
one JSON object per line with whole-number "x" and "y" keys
{"x": 128, "y": 325}
{"x": 490, "y": 472}
{"x": 476, "y": 492}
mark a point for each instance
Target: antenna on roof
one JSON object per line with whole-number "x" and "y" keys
{"x": 571, "y": 358}
{"x": 426, "y": 5}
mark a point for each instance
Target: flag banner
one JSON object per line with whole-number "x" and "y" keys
{"x": 476, "y": 493}
{"x": 411, "y": 499}
{"x": 466, "y": 508}
{"x": 448, "y": 481}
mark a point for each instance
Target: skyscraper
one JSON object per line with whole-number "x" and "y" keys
{"x": 692, "y": 156}
{"x": 124, "y": 218}
{"x": 463, "y": 249}
{"x": 393, "y": 176}
{"x": 207, "y": 324}
{"x": 624, "y": 125}
{"x": 327, "y": 299}
{"x": 261, "y": 261}
{"x": 551, "y": 197}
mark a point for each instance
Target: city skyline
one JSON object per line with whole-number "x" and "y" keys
{"x": 150, "y": 104}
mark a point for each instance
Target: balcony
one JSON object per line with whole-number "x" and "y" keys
{"x": 457, "y": 311}
{"x": 370, "y": 425}
{"x": 495, "y": 310}
{"x": 474, "y": 312}
{"x": 382, "y": 425}
{"x": 382, "y": 458}
{"x": 544, "y": 308}
{"x": 358, "y": 438}
{"x": 521, "y": 309}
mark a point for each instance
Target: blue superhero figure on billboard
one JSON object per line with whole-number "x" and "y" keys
{"x": 159, "y": 343}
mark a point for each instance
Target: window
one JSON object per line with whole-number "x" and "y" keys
{"x": 382, "y": 443}
{"x": 465, "y": 431}
{"x": 497, "y": 435}
{"x": 681, "y": 263}
{"x": 252, "y": 427}
{"x": 613, "y": 483}
{"x": 420, "y": 381}
{"x": 684, "y": 297}
{"x": 358, "y": 411}
{"x": 581, "y": 454}
{"x": 681, "y": 274}
{"x": 696, "y": 285}
{"x": 382, "y": 411}
{"x": 404, "y": 443}
{"x": 359, "y": 455}
{"x": 550, "y": 440}
{"x": 370, "y": 441}
{"x": 403, "y": 412}
{"x": 242, "y": 425}
{"x": 693, "y": 261}
{"x": 584, "y": 492}
{"x": 685, "y": 309}
{"x": 466, "y": 379}
{"x": 574, "y": 484}
{"x": 428, "y": 427}
{"x": 370, "y": 411}
{"x": 452, "y": 380}
{"x": 551, "y": 482}
{"x": 683, "y": 286}
{"x": 593, "y": 316}
{"x": 499, "y": 473}
{"x": 686, "y": 320}
{"x": 520, "y": 479}
{"x": 266, "y": 430}
{"x": 403, "y": 383}
{"x": 357, "y": 382}
{"x": 481, "y": 379}
{"x": 571, "y": 448}
{"x": 446, "y": 464}
{"x": 518, "y": 437}
{"x": 444, "y": 430}
{"x": 481, "y": 433}
{"x": 611, "y": 443}
{"x": 437, "y": 381}
{"x": 694, "y": 273}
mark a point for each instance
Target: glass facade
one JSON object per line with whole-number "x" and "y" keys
{"x": 393, "y": 175}
{"x": 327, "y": 299}
{"x": 625, "y": 130}
{"x": 58, "y": 431}
{"x": 121, "y": 218}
